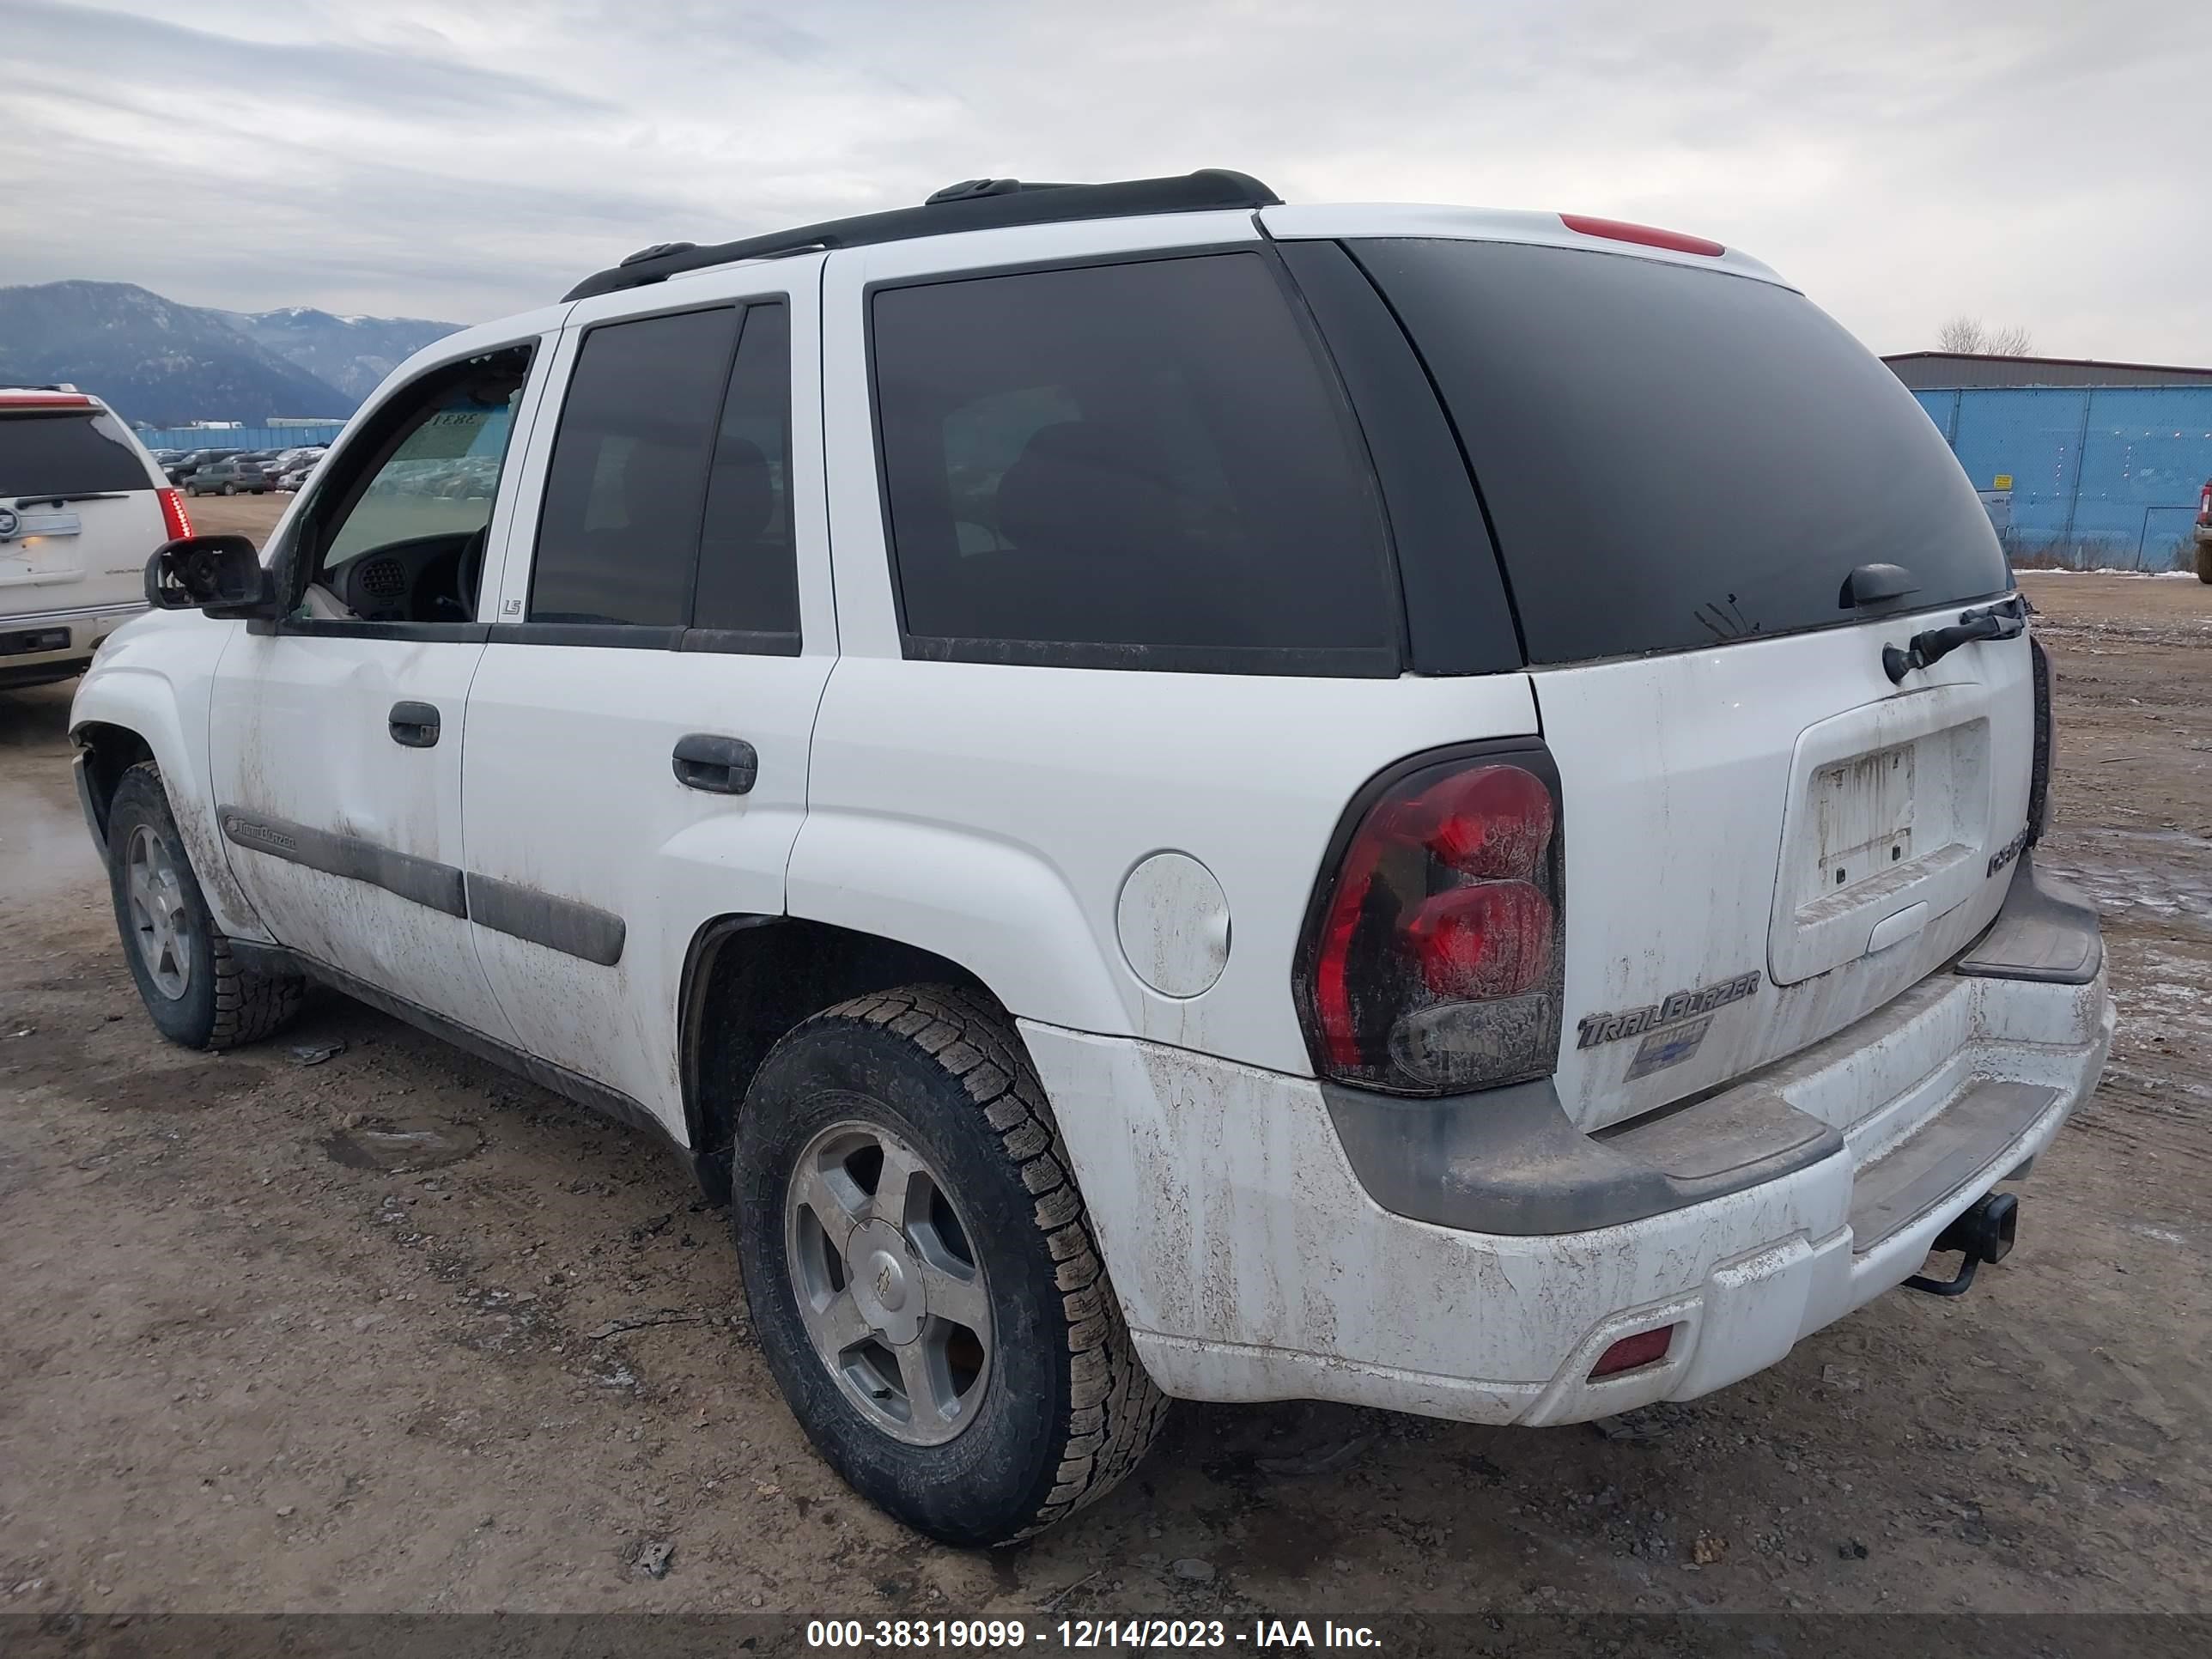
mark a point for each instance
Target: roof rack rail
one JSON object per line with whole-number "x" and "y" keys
{"x": 972, "y": 205}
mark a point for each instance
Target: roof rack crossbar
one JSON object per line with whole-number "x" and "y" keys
{"x": 972, "y": 205}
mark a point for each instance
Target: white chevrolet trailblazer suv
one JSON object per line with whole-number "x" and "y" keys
{"x": 1175, "y": 796}
{"x": 79, "y": 499}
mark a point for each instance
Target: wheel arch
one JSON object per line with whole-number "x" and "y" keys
{"x": 747, "y": 981}
{"x": 126, "y": 713}
{"x": 105, "y": 751}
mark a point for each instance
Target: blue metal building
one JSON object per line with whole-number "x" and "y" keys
{"x": 2091, "y": 476}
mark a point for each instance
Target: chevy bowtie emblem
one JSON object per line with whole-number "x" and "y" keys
{"x": 10, "y": 524}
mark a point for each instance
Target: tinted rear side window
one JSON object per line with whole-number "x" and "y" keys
{"x": 618, "y": 535}
{"x": 67, "y": 455}
{"x": 1137, "y": 464}
{"x": 1672, "y": 457}
{"x": 748, "y": 575}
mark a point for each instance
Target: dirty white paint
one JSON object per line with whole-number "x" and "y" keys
{"x": 1172, "y": 922}
{"x": 157, "y": 678}
{"x": 299, "y": 731}
{"x": 1695, "y": 788}
{"x": 992, "y": 814}
{"x": 1251, "y": 1265}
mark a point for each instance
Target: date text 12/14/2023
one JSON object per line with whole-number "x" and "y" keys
{"x": 1080, "y": 1635}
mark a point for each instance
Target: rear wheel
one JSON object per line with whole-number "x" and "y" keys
{"x": 192, "y": 984}
{"x": 230, "y": 489}
{"x": 921, "y": 1272}
{"x": 2204, "y": 556}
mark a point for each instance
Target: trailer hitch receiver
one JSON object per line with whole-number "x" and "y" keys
{"x": 1984, "y": 1232}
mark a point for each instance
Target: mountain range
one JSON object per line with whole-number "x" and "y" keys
{"x": 153, "y": 360}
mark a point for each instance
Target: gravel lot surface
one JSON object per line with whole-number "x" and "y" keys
{"x": 394, "y": 1331}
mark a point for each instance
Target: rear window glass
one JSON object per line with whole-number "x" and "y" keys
{"x": 1673, "y": 457}
{"x": 1126, "y": 466}
{"x": 67, "y": 455}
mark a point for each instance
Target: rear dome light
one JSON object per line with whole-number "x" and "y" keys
{"x": 1619, "y": 230}
{"x": 1431, "y": 961}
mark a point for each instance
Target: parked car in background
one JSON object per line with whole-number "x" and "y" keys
{"x": 2204, "y": 534}
{"x": 232, "y": 477}
{"x": 83, "y": 507}
{"x": 193, "y": 459}
{"x": 290, "y": 467}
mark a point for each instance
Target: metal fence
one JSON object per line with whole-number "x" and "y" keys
{"x": 2104, "y": 477}
{"x": 239, "y": 437}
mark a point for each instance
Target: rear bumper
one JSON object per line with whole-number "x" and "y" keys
{"x": 1254, "y": 1263}
{"x": 36, "y": 646}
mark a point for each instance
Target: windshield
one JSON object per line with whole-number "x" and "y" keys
{"x": 1672, "y": 457}
{"x": 66, "y": 455}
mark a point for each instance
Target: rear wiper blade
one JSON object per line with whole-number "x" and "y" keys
{"x": 22, "y": 502}
{"x": 2002, "y": 621}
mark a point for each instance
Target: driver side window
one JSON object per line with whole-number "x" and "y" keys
{"x": 402, "y": 529}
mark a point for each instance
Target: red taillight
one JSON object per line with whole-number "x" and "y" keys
{"x": 2204, "y": 506}
{"x": 37, "y": 399}
{"x": 1634, "y": 1353}
{"x": 174, "y": 518}
{"x": 1492, "y": 940}
{"x": 1432, "y": 963}
{"x": 1617, "y": 230}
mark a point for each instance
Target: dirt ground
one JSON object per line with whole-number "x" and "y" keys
{"x": 246, "y": 1365}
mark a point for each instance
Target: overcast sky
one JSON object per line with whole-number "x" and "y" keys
{"x": 2045, "y": 162}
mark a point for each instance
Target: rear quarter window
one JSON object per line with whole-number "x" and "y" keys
{"x": 68, "y": 454}
{"x": 1674, "y": 458}
{"x": 1138, "y": 464}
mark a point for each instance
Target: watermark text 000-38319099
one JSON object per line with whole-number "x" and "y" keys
{"x": 1083, "y": 1635}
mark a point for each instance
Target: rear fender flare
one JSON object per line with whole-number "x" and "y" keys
{"x": 997, "y": 909}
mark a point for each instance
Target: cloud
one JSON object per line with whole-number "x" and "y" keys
{"x": 1900, "y": 161}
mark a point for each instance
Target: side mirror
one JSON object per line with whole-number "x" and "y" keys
{"x": 221, "y": 576}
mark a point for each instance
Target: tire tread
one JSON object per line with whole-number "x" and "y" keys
{"x": 1114, "y": 1411}
{"x": 248, "y": 1006}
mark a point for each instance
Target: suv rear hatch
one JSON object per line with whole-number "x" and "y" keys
{"x": 78, "y": 508}
{"x": 1766, "y": 839}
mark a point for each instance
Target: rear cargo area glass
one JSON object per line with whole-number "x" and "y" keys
{"x": 1674, "y": 458}
{"x": 70, "y": 454}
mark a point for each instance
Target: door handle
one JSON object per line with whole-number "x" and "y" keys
{"x": 414, "y": 723}
{"x": 720, "y": 766}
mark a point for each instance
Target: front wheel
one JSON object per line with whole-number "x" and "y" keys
{"x": 922, "y": 1275}
{"x": 230, "y": 489}
{"x": 192, "y": 986}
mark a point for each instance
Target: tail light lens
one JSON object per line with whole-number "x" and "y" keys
{"x": 175, "y": 520}
{"x": 1433, "y": 951}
